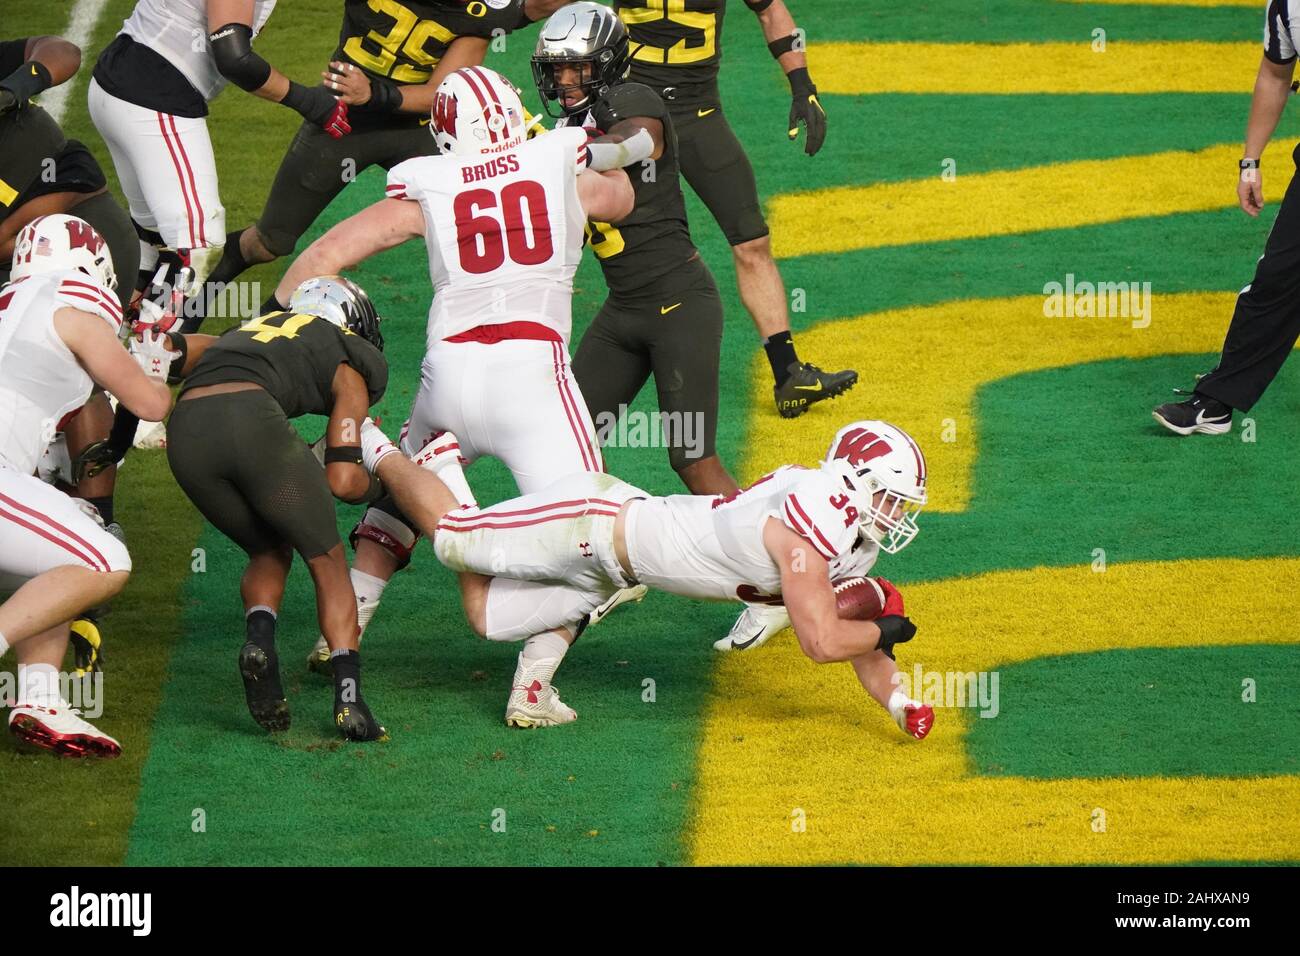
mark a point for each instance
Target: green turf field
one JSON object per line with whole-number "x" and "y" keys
{"x": 1120, "y": 689}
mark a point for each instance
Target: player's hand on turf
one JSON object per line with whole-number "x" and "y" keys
{"x": 894, "y": 629}
{"x": 152, "y": 351}
{"x": 1250, "y": 192}
{"x": 916, "y": 720}
{"x": 349, "y": 84}
{"x": 893, "y": 599}
{"x": 806, "y": 108}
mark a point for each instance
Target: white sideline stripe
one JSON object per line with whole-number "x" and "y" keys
{"x": 81, "y": 27}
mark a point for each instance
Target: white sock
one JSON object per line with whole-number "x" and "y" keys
{"x": 38, "y": 684}
{"x": 453, "y": 476}
{"x": 545, "y": 645}
{"x": 4, "y": 645}
{"x": 369, "y": 589}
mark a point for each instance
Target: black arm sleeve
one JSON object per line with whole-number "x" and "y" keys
{"x": 232, "y": 48}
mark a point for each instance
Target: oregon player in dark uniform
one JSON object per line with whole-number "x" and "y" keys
{"x": 663, "y": 314}
{"x": 390, "y": 58}
{"x": 676, "y": 50}
{"x": 235, "y": 455}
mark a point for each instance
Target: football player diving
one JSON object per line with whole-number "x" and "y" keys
{"x": 237, "y": 458}
{"x": 547, "y": 560}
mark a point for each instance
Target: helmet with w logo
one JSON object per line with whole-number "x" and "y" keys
{"x": 475, "y": 111}
{"x": 58, "y": 242}
{"x": 883, "y": 471}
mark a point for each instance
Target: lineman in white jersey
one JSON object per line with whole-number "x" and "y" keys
{"x": 149, "y": 100}
{"x": 546, "y": 560}
{"x": 59, "y": 321}
{"x": 502, "y": 218}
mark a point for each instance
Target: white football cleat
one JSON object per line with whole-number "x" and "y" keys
{"x": 533, "y": 701}
{"x": 60, "y": 730}
{"x": 635, "y": 594}
{"x": 756, "y": 624}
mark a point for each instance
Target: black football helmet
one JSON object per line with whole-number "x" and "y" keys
{"x": 581, "y": 33}
{"x": 341, "y": 302}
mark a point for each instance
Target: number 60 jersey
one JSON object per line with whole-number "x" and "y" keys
{"x": 504, "y": 232}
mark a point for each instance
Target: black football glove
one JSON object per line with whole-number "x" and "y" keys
{"x": 319, "y": 106}
{"x": 894, "y": 629}
{"x": 806, "y": 109}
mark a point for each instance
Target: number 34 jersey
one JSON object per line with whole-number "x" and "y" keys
{"x": 712, "y": 547}
{"x": 504, "y": 232}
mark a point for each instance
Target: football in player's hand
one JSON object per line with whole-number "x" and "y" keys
{"x": 859, "y": 599}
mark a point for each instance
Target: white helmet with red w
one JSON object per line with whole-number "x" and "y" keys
{"x": 475, "y": 111}
{"x": 58, "y": 242}
{"x": 883, "y": 471}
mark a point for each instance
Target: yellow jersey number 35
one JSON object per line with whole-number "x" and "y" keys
{"x": 408, "y": 36}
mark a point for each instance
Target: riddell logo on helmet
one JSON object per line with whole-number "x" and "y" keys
{"x": 494, "y": 167}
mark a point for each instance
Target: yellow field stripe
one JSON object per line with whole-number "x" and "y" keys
{"x": 1184, "y": 66}
{"x": 1055, "y": 196}
{"x": 784, "y": 734}
{"x": 921, "y": 368}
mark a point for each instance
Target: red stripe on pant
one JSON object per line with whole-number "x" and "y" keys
{"x": 35, "y": 529}
{"x": 590, "y": 460}
{"x": 487, "y": 523}
{"x": 180, "y": 176}
{"x": 194, "y": 189}
{"x": 494, "y": 513}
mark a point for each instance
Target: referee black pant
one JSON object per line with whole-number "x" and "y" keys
{"x": 1266, "y": 322}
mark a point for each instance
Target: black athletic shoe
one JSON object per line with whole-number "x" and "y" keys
{"x": 351, "y": 715}
{"x": 1198, "y": 414}
{"x": 260, "y": 670}
{"x": 808, "y": 384}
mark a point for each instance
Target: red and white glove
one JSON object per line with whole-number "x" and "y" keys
{"x": 375, "y": 445}
{"x": 152, "y": 351}
{"x": 893, "y": 599}
{"x": 913, "y": 717}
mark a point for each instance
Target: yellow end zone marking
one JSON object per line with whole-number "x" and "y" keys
{"x": 784, "y": 734}
{"x": 921, "y": 368}
{"x": 1055, "y": 196}
{"x": 1191, "y": 66}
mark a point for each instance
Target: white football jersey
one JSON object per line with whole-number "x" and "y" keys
{"x": 504, "y": 232}
{"x": 178, "y": 30}
{"x": 712, "y": 548}
{"x": 41, "y": 381}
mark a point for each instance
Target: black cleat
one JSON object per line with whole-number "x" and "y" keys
{"x": 808, "y": 384}
{"x": 260, "y": 670}
{"x": 1199, "y": 414}
{"x": 355, "y": 722}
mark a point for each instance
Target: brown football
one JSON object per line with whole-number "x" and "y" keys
{"x": 859, "y": 599}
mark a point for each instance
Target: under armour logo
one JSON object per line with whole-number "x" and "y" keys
{"x": 532, "y": 690}
{"x": 586, "y": 548}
